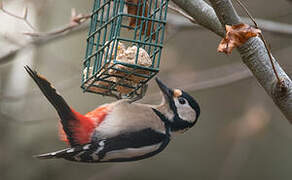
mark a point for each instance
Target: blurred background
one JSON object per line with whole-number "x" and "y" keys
{"x": 240, "y": 135}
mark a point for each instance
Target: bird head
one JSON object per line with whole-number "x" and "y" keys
{"x": 182, "y": 109}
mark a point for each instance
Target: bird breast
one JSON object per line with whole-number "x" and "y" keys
{"x": 125, "y": 117}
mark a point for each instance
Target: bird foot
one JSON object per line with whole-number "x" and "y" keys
{"x": 142, "y": 93}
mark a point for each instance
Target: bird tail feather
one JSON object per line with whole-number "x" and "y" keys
{"x": 52, "y": 155}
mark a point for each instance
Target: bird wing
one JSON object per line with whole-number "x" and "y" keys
{"x": 125, "y": 147}
{"x": 76, "y": 127}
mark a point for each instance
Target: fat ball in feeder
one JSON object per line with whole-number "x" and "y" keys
{"x": 123, "y": 46}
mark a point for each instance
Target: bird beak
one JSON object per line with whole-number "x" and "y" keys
{"x": 167, "y": 92}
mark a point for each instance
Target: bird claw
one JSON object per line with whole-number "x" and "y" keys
{"x": 141, "y": 94}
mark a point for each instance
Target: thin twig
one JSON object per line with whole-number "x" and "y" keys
{"x": 263, "y": 39}
{"x": 247, "y": 12}
{"x": 41, "y": 40}
{"x": 22, "y": 18}
{"x": 76, "y": 20}
{"x": 77, "y": 23}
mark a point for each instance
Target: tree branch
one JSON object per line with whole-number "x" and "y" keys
{"x": 266, "y": 25}
{"x": 255, "y": 56}
{"x": 181, "y": 12}
{"x": 253, "y": 52}
{"x": 225, "y": 12}
{"x": 203, "y": 14}
{"x": 43, "y": 38}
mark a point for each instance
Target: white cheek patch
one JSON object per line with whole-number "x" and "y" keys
{"x": 185, "y": 111}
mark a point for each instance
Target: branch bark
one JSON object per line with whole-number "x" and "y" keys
{"x": 253, "y": 52}
{"x": 203, "y": 14}
{"x": 266, "y": 25}
{"x": 255, "y": 56}
{"x": 209, "y": 21}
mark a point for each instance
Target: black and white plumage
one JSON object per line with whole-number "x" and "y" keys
{"x": 125, "y": 147}
{"x": 120, "y": 131}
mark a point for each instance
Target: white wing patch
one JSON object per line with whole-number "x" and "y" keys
{"x": 101, "y": 143}
{"x": 70, "y": 150}
{"x": 95, "y": 154}
{"x": 130, "y": 152}
{"x": 86, "y": 146}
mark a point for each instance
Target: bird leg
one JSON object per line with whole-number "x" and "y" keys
{"x": 141, "y": 94}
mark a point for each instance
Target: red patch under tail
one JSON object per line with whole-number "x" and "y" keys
{"x": 83, "y": 126}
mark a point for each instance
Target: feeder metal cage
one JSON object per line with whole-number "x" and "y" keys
{"x": 114, "y": 27}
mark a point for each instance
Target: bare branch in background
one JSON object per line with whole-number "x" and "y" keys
{"x": 22, "y": 18}
{"x": 75, "y": 21}
{"x": 78, "y": 22}
{"x": 43, "y": 38}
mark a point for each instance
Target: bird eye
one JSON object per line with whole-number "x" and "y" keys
{"x": 181, "y": 100}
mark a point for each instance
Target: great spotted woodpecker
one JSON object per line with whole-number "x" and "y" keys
{"x": 119, "y": 131}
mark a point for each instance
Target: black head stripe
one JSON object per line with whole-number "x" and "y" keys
{"x": 166, "y": 122}
{"x": 180, "y": 125}
{"x": 175, "y": 125}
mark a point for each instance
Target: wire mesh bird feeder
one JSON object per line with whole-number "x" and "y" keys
{"x": 123, "y": 46}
